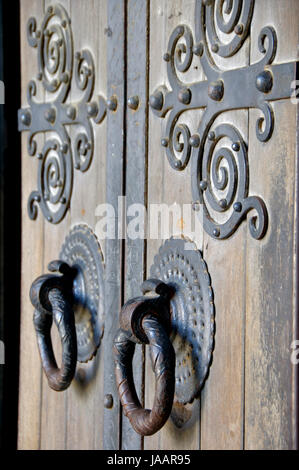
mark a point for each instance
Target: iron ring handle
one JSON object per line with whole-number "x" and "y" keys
{"x": 51, "y": 297}
{"x": 150, "y": 328}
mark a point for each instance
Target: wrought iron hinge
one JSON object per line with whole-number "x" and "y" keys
{"x": 254, "y": 86}
{"x": 60, "y": 153}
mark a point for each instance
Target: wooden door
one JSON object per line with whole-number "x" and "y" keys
{"x": 249, "y": 398}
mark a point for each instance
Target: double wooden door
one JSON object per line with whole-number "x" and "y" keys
{"x": 249, "y": 399}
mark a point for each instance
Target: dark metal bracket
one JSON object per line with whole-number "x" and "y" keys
{"x": 220, "y": 175}
{"x": 60, "y": 153}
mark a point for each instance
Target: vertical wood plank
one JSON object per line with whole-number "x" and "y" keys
{"x": 29, "y": 420}
{"x": 114, "y": 188}
{"x": 136, "y": 175}
{"x": 270, "y": 310}
{"x": 85, "y": 396}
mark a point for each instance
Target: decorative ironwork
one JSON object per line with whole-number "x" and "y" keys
{"x": 54, "y": 43}
{"x": 180, "y": 265}
{"x": 217, "y": 171}
{"x": 81, "y": 251}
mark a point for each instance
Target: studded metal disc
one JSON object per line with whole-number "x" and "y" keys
{"x": 81, "y": 250}
{"x": 181, "y": 265}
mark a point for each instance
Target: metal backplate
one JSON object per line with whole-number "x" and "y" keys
{"x": 81, "y": 250}
{"x": 181, "y": 265}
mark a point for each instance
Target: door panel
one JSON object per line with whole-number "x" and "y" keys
{"x": 249, "y": 399}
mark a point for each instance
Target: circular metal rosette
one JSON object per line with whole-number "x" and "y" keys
{"x": 181, "y": 265}
{"x": 82, "y": 251}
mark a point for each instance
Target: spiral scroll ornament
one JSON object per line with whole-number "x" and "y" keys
{"x": 60, "y": 155}
{"x": 220, "y": 176}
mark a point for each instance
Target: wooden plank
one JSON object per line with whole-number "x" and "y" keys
{"x": 136, "y": 176}
{"x": 170, "y": 187}
{"x": 32, "y": 258}
{"x": 84, "y": 427}
{"x": 114, "y": 189}
{"x": 270, "y": 309}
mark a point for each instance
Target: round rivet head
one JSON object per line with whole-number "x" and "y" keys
{"x": 71, "y": 112}
{"x": 180, "y": 30}
{"x": 156, "y": 100}
{"x": 223, "y": 203}
{"x": 211, "y": 135}
{"x": 178, "y": 164}
{"x": 203, "y": 185}
{"x": 112, "y": 103}
{"x": 50, "y": 10}
{"x": 26, "y": 118}
{"x": 198, "y": 49}
{"x": 39, "y": 76}
{"x": 236, "y": 146}
{"x": 237, "y": 206}
{"x": 216, "y": 232}
{"x": 92, "y": 109}
{"x": 184, "y": 95}
{"x": 194, "y": 140}
{"x": 62, "y": 200}
{"x": 64, "y": 23}
{"x": 77, "y": 56}
{"x": 196, "y": 206}
{"x": 239, "y": 29}
{"x": 164, "y": 142}
{"x": 216, "y": 90}
{"x": 37, "y": 198}
{"x": 64, "y": 148}
{"x": 39, "y": 156}
{"x": 215, "y": 48}
{"x": 264, "y": 81}
{"x": 133, "y": 102}
{"x": 49, "y": 219}
{"x": 50, "y": 115}
{"x": 65, "y": 77}
{"x": 166, "y": 57}
{"x": 108, "y": 401}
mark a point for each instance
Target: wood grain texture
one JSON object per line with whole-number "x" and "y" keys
{"x": 270, "y": 308}
{"x": 32, "y": 260}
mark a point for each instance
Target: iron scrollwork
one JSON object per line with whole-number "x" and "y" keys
{"x": 216, "y": 171}
{"x": 56, "y": 67}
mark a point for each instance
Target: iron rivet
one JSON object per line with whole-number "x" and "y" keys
{"x": 49, "y": 218}
{"x": 108, "y": 401}
{"x": 92, "y": 109}
{"x": 236, "y": 146}
{"x": 211, "y": 135}
{"x": 194, "y": 140}
{"x": 178, "y": 164}
{"x": 50, "y": 115}
{"x": 196, "y": 206}
{"x": 64, "y": 23}
{"x": 50, "y": 10}
{"x": 64, "y": 148}
{"x": 65, "y": 77}
{"x": 215, "y": 48}
{"x": 239, "y": 29}
{"x": 37, "y": 198}
{"x": 216, "y": 232}
{"x": 184, "y": 95}
{"x": 264, "y": 81}
{"x": 164, "y": 142}
{"x": 203, "y": 185}
{"x": 180, "y": 30}
{"x": 77, "y": 166}
{"x": 87, "y": 146}
{"x": 156, "y": 100}
{"x": 77, "y": 56}
{"x": 133, "y": 102}
{"x": 216, "y": 90}
{"x": 62, "y": 200}
{"x": 38, "y": 34}
{"x": 26, "y": 118}
{"x": 39, "y": 76}
{"x": 198, "y": 49}
{"x": 112, "y": 103}
{"x": 39, "y": 156}
{"x": 166, "y": 57}
{"x": 223, "y": 203}
{"x": 237, "y": 206}
{"x": 71, "y": 112}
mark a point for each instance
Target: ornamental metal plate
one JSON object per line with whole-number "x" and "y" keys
{"x": 181, "y": 265}
{"x": 220, "y": 171}
{"x": 82, "y": 251}
{"x": 60, "y": 154}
